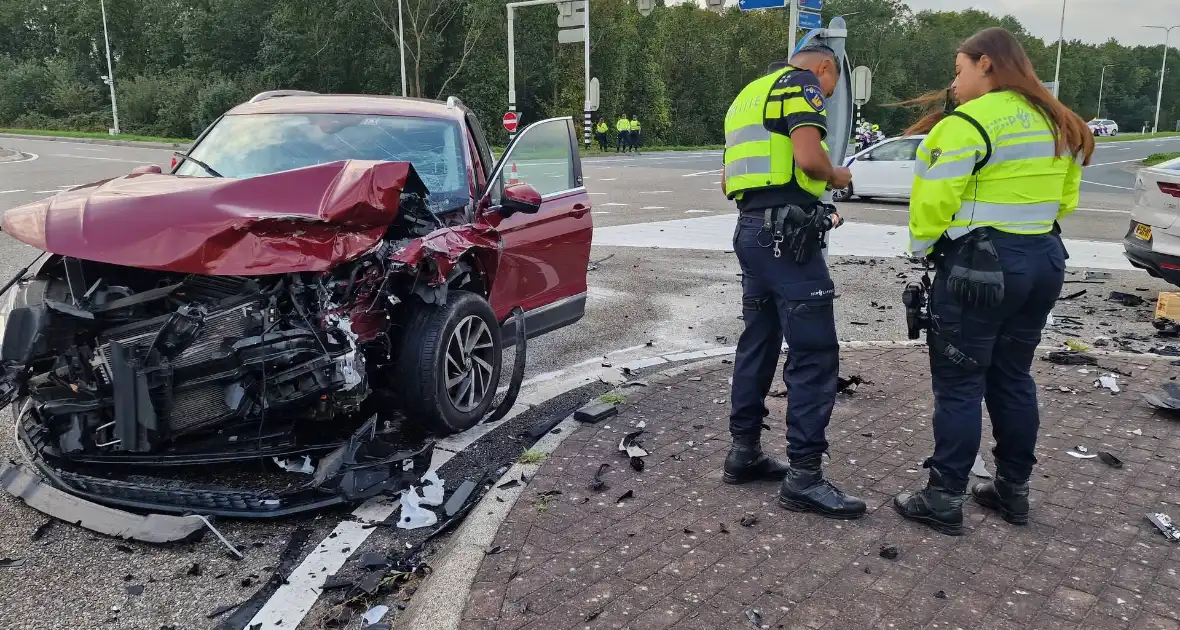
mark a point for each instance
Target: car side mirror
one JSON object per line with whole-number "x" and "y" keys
{"x": 520, "y": 198}
{"x": 868, "y": 157}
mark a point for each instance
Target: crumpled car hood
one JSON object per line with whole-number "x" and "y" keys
{"x": 308, "y": 219}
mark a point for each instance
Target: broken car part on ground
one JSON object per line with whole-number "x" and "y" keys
{"x": 241, "y": 326}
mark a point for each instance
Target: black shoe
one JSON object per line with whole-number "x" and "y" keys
{"x": 1008, "y": 498}
{"x": 934, "y": 505}
{"x": 805, "y": 490}
{"x": 747, "y": 462}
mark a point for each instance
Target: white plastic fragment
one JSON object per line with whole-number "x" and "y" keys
{"x": 980, "y": 468}
{"x": 432, "y": 489}
{"x": 303, "y": 466}
{"x": 642, "y": 424}
{"x": 1138, "y": 431}
{"x": 373, "y": 615}
{"x": 413, "y": 515}
{"x": 1081, "y": 455}
{"x": 1109, "y": 382}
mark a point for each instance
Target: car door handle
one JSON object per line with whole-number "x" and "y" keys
{"x": 580, "y": 210}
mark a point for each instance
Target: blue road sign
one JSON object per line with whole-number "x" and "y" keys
{"x": 753, "y": 5}
{"x": 811, "y": 5}
{"x": 809, "y": 20}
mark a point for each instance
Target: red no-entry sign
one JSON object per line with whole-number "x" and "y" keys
{"x": 510, "y": 121}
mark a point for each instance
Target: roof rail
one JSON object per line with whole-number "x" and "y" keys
{"x": 262, "y": 96}
{"x": 453, "y": 102}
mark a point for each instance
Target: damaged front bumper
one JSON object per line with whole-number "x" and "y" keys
{"x": 368, "y": 464}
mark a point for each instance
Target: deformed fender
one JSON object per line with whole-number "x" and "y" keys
{"x": 442, "y": 249}
{"x": 151, "y": 528}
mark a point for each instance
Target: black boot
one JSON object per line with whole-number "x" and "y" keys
{"x": 934, "y": 505}
{"x": 747, "y": 462}
{"x": 805, "y": 490}
{"x": 1008, "y": 498}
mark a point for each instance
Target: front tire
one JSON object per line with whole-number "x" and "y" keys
{"x": 843, "y": 194}
{"x": 449, "y": 366}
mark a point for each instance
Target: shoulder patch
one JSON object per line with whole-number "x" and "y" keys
{"x": 934, "y": 155}
{"x": 814, "y": 97}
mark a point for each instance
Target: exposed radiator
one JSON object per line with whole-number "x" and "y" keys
{"x": 194, "y": 408}
{"x": 218, "y": 326}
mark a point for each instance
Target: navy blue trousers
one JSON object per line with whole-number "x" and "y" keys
{"x": 1003, "y": 342}
{"x": 782, "y": 299}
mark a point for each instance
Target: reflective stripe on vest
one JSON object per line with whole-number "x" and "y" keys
{"x": 755, "y": 158}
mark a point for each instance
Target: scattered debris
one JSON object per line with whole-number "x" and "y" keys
{"x": 373, "y": 615}
{"x": 637, "y": 383}
{"x": 371, "y": 561}
{"x": 221, "y": 610}
{"x": 1136, "y": 432}
{"x": 889, "y": 552}
{"x": 1076, "y": 346}
{"x": 550, "y": 493}
{"x": 1096, "y": 275}
{"x": 1072, "y": 296}
{"x": 721, "y": 339}
{"x": 42, "y": 529}
{"x": 11, "y": 563}
{"x": 1126, "y": 299}
{"x": 432, "y": 489}
{"x": 754, "y": 618}
{"x": 1164, "y": 523}
{"x": 371, "y": 582}
{"x": 631, "y": 446}
{"x": 511, "y": 483}
{"x": 195, "y": 570}
{"x": 413, "y": 515}
{"x": 498, "y": 549}
{"x": 749, "y": 520}
{"x": 593, "y": 614}
{"x": 593, "y": 264}
{"x": 1168, "y": 400}
{"x": 1166, "y": 327}
{"x": 1081, "y": 452}
{"x": 1108, "y": 382}
{"x": 1101, "y": 342}
{"x": 124, "y": 549}
{"x": 848, "y": 385}
{"x": 867, "y": 434}
{"x": 637, "y": 464}
{"x": 459, "y": 498}
{"x": 940, "y": 594}
{"x": 246, "y": 610}
{"x": 630, "y": 494}
{"x": 598, "y": 484}
{"x": 1069, "y": 357}
{"x": 724, "y": 529}
{"x": 1110, "y": 460}
{"x": 135, "y": 590}
{"x": 979, "y": 469}
{"x": 301, "y": 466}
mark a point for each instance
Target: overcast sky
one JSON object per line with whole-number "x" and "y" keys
{"x": 1092, "y": 21}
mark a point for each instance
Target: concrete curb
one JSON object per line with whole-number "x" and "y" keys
{"x": 438, "y": 604}
{"x": 12, "y": 155}
{"x": 116, "y": 143}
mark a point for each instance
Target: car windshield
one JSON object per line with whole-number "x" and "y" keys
{"x": 244, "y": 146}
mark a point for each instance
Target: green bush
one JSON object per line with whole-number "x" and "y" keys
{"x": 213, "y": 101}
{"x": 24, "y": 87}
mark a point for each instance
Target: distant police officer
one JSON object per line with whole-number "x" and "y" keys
{"x": 623, "y": 127}
{"x": 600, "y": 131}
{"x": 635, "y": 135}
{"x": 991, "y": 181}
{"x": 776, "y": 167}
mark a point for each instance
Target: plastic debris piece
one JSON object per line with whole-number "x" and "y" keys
{"x": 372, "y": 560}
{"x": 598, "y": 484}
{"x": 979, "y": 469}
{"x": 1076, "y": 346}
{"x": 1126, "y": 299}
{"x": 1110, "y": 460}
{"x": 1081, "y": 452}
{"x": 1166, "y": 327}
{"x": 432, "y": 489}
{"x": 889, "y": 552}
{"x": 723, "y": 529}
{"x": 1072, "y": 296}
{"x": 194, "y": 570}
{"x": 1108, "y": 382}
{"x": 1082, "y": 449}
{"x": 1165, "y": 525}
{"x": 511, "y": 483}
{"x": 754, "y": 618}
{"x": 498, "y": 549}
{"x": 749, "y": 520}
{"x": 630, "y": 445}
{"x": 940, "y": 594}
{"x": 459, "y": 498}
{"x": 630, "y": 494}
{"x": 642, "y": 424}
{"x": 848, "y": 385}
{"x": 302, "y": 466}
{"x": 11, "y": 563}
{"x": 593, "y": 614}
{"x": 413, "y": 515}
{"x": 1069, "y": 357}
{"x": 42, "y": 529}
{"x": 371, "y": 582}
{"x": 1096, "y": 275}
{"x": 637, "y": 464}
{"x": 373, "y": 615}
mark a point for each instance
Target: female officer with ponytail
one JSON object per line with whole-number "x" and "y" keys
{"x": 992, "y": 179}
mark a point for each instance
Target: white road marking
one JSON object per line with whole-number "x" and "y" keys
{"x": 702, "y": 173}
{"x": 1113, "y": 163}
{"x": 1124, "y": 149}
{"x": 597, "y": 193}
{"x": 613, "y": 203}
{"x": 5, "y": 192}
{"x": 90, "y": 149}
{"x": 600, "y": 212}
{"x": 30, "y": 158}
{"x": 653, "y": 208}
{"x": 653, "y": 192}
{"x": 715, "y": 233}
{"x": 44, "y": 192}
{"x": 1107, "y": 185}
{"x": 608, "y": 179}
{"x": 699, "y": 211}
{"x": 95, "y": 157}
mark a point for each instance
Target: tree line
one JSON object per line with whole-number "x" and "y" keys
{"x": 179, "y": 64}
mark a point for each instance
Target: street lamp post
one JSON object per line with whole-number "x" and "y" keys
{"x": 1101, "y": 83}
{"x": 110, "y": 78}
{"x": 1060, "y": 43}
{"x": 401, "y": 45}
{"x": 1159, "y": 99}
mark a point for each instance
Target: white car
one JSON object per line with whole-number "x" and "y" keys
{"x": 1103, "y": 127}
{"x": 1153, "y": 240}
{"x": 882, "y": 170}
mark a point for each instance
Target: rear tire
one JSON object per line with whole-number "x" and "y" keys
{"x": 448, "y": 369}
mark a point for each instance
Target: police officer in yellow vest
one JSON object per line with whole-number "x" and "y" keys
{"x": 623, "y": 127}
{"x": 600, "y": 131}
{"x": 776, "y": 168}
{"x": 635, "y": 133}
{"x": 992, "y": 179}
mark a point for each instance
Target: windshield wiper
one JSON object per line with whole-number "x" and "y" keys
{"x": 208, "y": 169}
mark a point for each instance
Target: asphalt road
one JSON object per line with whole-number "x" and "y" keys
{"x": 643, "y": 302}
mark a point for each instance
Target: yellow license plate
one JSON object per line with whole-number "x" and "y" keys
{"x": 1143, "y": 232}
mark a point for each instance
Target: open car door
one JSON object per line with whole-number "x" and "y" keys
{"x": 542, "y": 267}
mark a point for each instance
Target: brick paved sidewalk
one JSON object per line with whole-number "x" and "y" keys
{"x": 675, "y": 556}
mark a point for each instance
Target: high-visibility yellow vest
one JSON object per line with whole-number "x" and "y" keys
{"x": 755, "y": 158}
{"x": 634, "y": 125}
{"x": 602, "y": 128}
{"x": 1020, "y": 186}
{"x": 623, "y": 125}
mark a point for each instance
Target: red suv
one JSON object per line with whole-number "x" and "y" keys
{"x": 310, "y": 262}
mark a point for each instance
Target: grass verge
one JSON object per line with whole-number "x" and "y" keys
{"x": 94, "y": 135}
{"x": 1123, "y": 137}
{"x": 1158, "y": 158}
